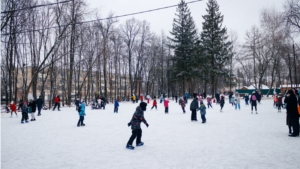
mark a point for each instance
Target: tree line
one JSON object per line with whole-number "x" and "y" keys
{"x": 61, "y": 47}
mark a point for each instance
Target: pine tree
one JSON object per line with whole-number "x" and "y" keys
{"x": 215, "y": 45}
{"x": 183, "y": 42}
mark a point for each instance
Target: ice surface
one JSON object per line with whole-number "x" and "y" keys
{"x": 232, "y": 139}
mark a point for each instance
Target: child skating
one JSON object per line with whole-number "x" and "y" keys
{"x": 81, "y": 112}
{"x": 135, "y": 124}
{"x": 116, "y": 106}
{"x": 202, "y": 109}
{"x": 222, "y": 102}
{"x": 208, "y": 99}
{"x": 166, "y": 105}
{"x": 24, "y": 113}
{"x": 182, "y": 104}
{"x": 154, "y": 103}
{"x": 13, "y": 108}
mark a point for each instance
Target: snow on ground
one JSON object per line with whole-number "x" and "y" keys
{"x": 232, "y": 139}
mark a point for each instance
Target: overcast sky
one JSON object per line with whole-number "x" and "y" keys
{"x": 239, "y": 15}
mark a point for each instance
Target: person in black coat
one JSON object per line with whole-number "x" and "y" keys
{"x": 39, "y": 103}
{"x": 194, "y": 107}
{"x": 135, "y": 123}
{"x": 217, "y": 95}
{"x": 292, "y": 112}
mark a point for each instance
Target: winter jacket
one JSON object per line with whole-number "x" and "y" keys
{"x": 222, "y": 102}
{"x": 246, "y": 97}
{"x": 154, "y": 103}
{"x": 237, "y": 99}
{"x": 13, "y": 107}
{"x": 194, "y": 104}
{"x": 202, "y": 109}
{"x": 30, "y": 107}
{"x": 57, "y": 100}
{"x": 77, "y": 102}
{"x": 166, "y": 103}
{"x": 24, "y": 109}
{"x": 291, "y": 106}
{"x": 137, "y": 118}
{"x": 182, "y": 103}
{"x": 279, "y": 100}
{"x": 82, "y": 109}
{"x": 33, "y": 106}
{"x": 116, "y": 103}
{"x": 39, "y": 102}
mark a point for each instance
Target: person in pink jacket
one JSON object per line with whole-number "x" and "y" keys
{"x": 166, "y": 104}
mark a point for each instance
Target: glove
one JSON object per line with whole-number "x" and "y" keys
{"x": 147, "y": 125}
{"x": 129, "y": 124}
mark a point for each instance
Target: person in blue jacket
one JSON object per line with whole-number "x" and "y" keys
{"x": 81, "y": 112}
{"x": 116, "y": 106}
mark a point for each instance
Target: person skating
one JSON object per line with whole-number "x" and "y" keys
{"x": 154, "y": 103}
{"x": 246, "y": 97}
{"x": 182, "y": 104}
{"x": 13, "y": 108}
{"x": 202, "y": 109}
{"x": 237, "y": 101}
{"x": 253, "y": 102}
{"x": 193, "y": 107}
{"x": 20, "y": 106}
{"x": 39, "y": 103}
{"x": 32, "y": 105}
{"x": 208, "y": 99}
{"x": 135, "y": 124}
{"x": 116, "y": 105}
{"x": 292, "y": 112}
{"x": 166, "y": 105}
{"x": 24, "y": 113}
{"x": 81, "y": 112}
{"x": 222, "y": 102}
{"x": 279, "y": 103}
{"x": 56, "y": 103}
{"x": 77, "y": 102}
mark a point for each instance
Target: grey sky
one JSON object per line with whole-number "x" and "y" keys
{"x": 239, "y": 15}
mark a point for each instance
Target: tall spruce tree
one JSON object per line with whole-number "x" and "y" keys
{"x": 183, "y": 42}
{"x": 215, "y": 45}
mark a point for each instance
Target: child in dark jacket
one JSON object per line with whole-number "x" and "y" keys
{"x": 116, "y": 106}
{"x": 182, "y": 104}
{"x": 135, "y": 124}
{"x": 24, "y": 113}
{"x": 202, "y": 109}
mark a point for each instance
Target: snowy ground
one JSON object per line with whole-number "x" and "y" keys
{"x": 232, "y": 139}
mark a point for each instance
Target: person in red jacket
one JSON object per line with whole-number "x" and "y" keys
{"x": 154, "y": 104}
{"x": 13, "y": 108}
{"x": 166, "y": 104}
{"x": 141, "y": 97}
{"x": 57, "y": 103}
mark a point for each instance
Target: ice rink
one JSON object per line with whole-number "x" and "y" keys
{"x": 229, "y": 140}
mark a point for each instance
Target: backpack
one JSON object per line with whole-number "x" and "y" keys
{"x": 253, "y": 97}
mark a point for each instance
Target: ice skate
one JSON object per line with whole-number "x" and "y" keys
{"x": 140, "y": 144}
{"x": 256, "y": 112}
{"x": 26, "y": 121}
{"x": 130, "y": 147}
{"x": 83, "y": 125}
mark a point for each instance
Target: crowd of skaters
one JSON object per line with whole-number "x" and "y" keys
{"x": 290, "y": 100}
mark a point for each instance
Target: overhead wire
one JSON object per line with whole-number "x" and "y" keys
{"x": 36, "y": 6}
{"x": 113, "y": 17}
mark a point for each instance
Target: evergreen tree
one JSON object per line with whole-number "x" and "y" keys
{"x": 216, "y": 47}
{"x": 183, "y": 42}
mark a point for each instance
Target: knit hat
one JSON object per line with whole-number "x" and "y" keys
{"x": 143, "y": 105}
{"x": 291, "y": 92}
